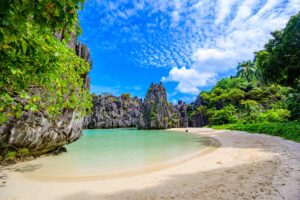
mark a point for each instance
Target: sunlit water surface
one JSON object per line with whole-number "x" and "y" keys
{"x": 103, "y": 151}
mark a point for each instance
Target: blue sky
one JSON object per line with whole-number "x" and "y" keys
{"x": 186, "y": 44}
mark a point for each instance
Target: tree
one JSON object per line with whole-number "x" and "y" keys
{"x": 246, "y": 70}
{"x": 279, "y": 62}
{"x": 225, "y": 115}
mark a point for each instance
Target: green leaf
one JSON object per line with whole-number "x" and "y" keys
{"x": 24, "y": 95}
{"x": 33, "y": 108}
{"x": 24, "y": 46}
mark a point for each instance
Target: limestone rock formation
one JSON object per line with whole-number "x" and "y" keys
{"x": 39, "y": 134}
{"x": 157, "y": 111}
{"x": 198, "y": 119}
{"x": 37, "y": 131}
{"x": 115, "y": 112}
{"x": 181, "y": 110}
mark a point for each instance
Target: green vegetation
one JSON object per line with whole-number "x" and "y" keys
{"x": 39, "y": 72}
{"x": 23, "y": 152}
{"x": 279, "y": 62}
{"x": 288, "y": 130}
{"x": 11, "y": 153}
{"x": 264, "y": 96}
{"x": 126, "y": 96}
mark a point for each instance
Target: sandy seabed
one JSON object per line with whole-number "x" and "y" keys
{"x": 244, "y": 166}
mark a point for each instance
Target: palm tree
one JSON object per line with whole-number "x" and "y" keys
{"x": 247, "y": 70}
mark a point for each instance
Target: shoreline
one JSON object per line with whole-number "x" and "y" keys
{"x": 247, "y": 166}
{"x": 214, "y": 144}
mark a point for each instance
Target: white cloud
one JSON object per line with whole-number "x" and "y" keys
{"x": 189, "y": 79}
{"x": 223, "y": 10}
{"x": 212, "y": 60}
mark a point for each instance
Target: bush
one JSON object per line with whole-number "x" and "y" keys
{"x": 225, "y": 115}
{"x": 287, "y": 130}
{"x": 126, "y": 96}
{"x": 250, "y": 110}
{"x": 10, "y": 155}
{"x": 23, "y": 152}
{"x": 274, "y": 115}
{"x": 293, "y": 103}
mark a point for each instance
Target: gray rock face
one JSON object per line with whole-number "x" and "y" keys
{"x": 181, "y": 109}
{"x": 35, "y": 131}
{"x": 154, "y": 113}
{"x": 198, "y": 119}
{"x": 115, "y": 112}
{"x": 157, "y": 111}
{"x": 39, "y": 133}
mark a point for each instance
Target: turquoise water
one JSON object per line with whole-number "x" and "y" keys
{"x": 103, "y": 151}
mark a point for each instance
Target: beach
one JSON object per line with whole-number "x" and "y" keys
{"x": 242, "y": 166}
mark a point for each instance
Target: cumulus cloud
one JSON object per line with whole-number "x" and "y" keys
{"x": 189, "y": 79}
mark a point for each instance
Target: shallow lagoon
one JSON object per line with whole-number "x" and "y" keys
{"x": 108, "y": 151}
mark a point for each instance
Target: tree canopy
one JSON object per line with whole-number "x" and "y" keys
{"x": 279, "y": 61}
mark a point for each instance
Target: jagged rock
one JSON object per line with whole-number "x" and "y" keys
{"x": 198, "y": 119}
{"x": 157, "y": 111}
{"x": 181, "y": 109}
{"x": 154, "y": 113}
{"x": 37, "y": 131}
{"x": 115, "y": 112}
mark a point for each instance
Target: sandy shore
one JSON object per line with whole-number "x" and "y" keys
{"x": 245, "y": 166}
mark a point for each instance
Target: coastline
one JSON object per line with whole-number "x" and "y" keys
{"x": 247, "y": 166}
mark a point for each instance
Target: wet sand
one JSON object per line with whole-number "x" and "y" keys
{"x": 245, "y": 166}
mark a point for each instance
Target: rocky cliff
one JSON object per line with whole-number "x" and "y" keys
{"x": 39, "y": 133}
{"x": 155, "y": 112}
{"x": 198, "y": 117}
{"x": 181, "y": 110}
{"x": 114, "y": 112}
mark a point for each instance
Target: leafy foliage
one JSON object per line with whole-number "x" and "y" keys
{"x": 287, "y": 130}
{"x": 293, "y": 103}
{"x": 279, "y": 62}
{"x": 223, "y": 116}
{"x": 274, "y": 115}
{"x": 246, "y": 70}
{"x": 237, "y": 100}
{"x": 38, "y": 71}
{"x": 54, "y": 15}
{"x": 126, "y": 96}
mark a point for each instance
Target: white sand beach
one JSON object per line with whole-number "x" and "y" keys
{"x": 244, "y": 166}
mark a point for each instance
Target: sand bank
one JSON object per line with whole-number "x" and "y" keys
{"x": 245, "y": 166}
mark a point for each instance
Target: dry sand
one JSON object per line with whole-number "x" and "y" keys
{"x": 245, "y": 166}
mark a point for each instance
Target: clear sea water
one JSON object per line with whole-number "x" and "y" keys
{"x": 103, "y": 151}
